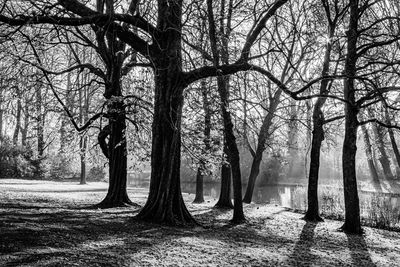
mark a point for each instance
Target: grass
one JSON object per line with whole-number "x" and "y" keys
{"x": 49, "y": 224}
{"x": 376, "y": 210}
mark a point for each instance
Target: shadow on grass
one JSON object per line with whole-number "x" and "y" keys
{"x": 359, "y": 251}
{"x": 301, "y": 255}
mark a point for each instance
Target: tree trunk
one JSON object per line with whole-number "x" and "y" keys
{"x": 225, "y": 201}
{"x": 263, "y": 136}
{"x": 199, "y": 184}
{"x": 293, "y": 145}
{"x": 165, "y": 203}
{"x": 318, "y": 135}
{"x": 24, "y": 131}
{"x": 83, "y": 146}
{"x": 1, "y": 109}
{"x": 383, "y": 158}
{"x": 368, "y": 152}
{"x": 18, "y": 122}
{"x": 312, "y": 213}
{"x": 232, "y": 151}
{"x": 39, "y": 123}
{"x": 352, "y": 222}
{"x": 117, "y": 195}
{"x": 207, "y": 146}
{"x": 393, "y": 143}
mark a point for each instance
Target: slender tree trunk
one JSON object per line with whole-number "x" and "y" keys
{"x": 225, "y": 201}
{"x": 18, "y": 122}
{"x": 312, "y": 213}
{"x": 24, "y": 130}
{"x": 393, "y": 143}
{"x": 83, "y": 146}
{"x": 368, "y": 152}
{"x": 318, "y": 135}
{"x": 39, "y": 123}
{"x": 352, "y": 222}
{"x": 233, "y": 152}
{"x": 383, "y": 158}
{"x": 263, "y": 136}
{"x": 293, "y": 145}
{"x": 207, "y": 146}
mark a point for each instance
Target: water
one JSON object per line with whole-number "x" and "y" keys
{"x": 377, "y": 209}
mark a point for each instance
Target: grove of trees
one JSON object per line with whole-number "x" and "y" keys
{"x": 225, "y": 86}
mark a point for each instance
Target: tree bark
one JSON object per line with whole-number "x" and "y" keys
{"x": 199, "y": 184}
{"x": 117, "y": 195}
{"x": 165, "y": 203}
{"x": 352, "y": 222}
{"x": 225, "y": 200}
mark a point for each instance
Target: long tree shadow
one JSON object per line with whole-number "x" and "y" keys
{"x": 301, "y": 255}
{"x": 359, "y": 250}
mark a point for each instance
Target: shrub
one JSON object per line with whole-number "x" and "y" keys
{"x": 96, "y": 173}
{"x": 15, "y": 161}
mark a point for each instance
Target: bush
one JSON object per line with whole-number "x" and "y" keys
{"x": 96, "y": 174}
{"x": 15, "y": 161}
{"x": 58, "y": 167}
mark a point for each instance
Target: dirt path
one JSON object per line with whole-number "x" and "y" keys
{"x": 46, "y": 224}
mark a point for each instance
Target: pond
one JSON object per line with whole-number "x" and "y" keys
{"x": 377, "y": 209}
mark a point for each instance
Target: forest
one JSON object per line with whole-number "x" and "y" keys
{"x": 248, "y": 119}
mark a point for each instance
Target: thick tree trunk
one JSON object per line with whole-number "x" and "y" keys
{"x": 225, "y": 201}
{"x": 263, "y": 136}
{"x": 352, "y": 222}
{"x": 165, "y": 203}
{"x": 368, "y": 152}
{"x": 117, "y": 195}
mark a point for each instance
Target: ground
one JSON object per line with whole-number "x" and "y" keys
{"x": 49, "y": 224}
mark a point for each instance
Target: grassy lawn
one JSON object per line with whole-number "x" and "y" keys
{"x": 47, "y": 223}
